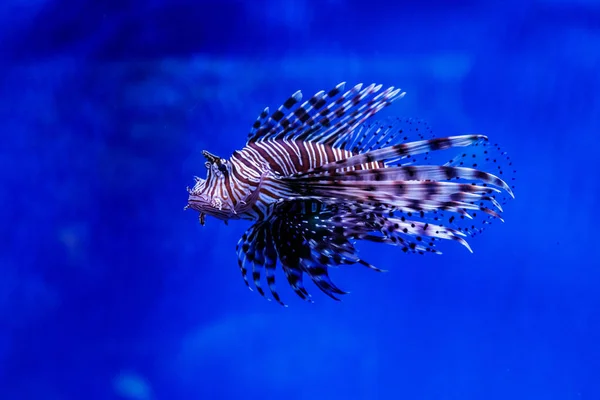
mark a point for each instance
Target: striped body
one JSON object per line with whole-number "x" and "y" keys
{"x": 315, "y": 177}
{"x": 252, "y": 182}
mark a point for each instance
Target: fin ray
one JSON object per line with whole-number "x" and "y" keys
{"x": 326, "y": 117}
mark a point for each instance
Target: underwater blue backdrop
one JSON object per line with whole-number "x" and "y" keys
{"x": 109, "y": 290}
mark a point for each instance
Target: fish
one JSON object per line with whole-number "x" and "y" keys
{"x": 318, "y": 176}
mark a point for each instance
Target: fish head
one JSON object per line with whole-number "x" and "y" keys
{"x": 210, "y": 196}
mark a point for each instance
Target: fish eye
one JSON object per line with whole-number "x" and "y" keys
{"x": 222, "y": 165}
{"x": 207, "y": 164}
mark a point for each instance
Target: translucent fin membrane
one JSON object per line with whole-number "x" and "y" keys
{"x": 385, "y": 133}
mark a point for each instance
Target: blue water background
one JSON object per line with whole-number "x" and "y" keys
{"x": 109, "y": 290}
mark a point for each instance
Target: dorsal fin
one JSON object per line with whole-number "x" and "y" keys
{"x": 326, "y": 117}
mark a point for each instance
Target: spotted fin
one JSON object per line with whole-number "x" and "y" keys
{"x": 305, "y": 237}
{"x": 461, "y": 183}
{"x": 383, "y": 133}
{"x": 326, "y": 118}
{"x": 256, "y": 253}
{"x": 397, "y": 152}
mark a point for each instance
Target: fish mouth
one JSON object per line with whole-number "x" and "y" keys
{"x": 206, "y": 206}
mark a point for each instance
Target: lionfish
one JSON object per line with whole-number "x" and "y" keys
{"x": 317, "y": 176}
